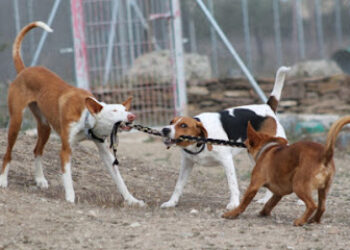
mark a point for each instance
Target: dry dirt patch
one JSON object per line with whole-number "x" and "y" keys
{"x": 31, "y": 218}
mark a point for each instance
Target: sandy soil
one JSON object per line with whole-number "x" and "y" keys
{"x": 31, "y": 218}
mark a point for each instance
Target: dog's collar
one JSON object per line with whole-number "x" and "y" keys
{"x": 264, "y": 148}
{"x": 89, "y": 133}
{"x": 197, "y": 152}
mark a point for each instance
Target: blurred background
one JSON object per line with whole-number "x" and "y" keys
{"x": 152, "y": 49}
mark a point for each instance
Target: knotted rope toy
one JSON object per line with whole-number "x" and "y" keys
{"x": 188, "y": 138}
{"x": 114, "y": 141}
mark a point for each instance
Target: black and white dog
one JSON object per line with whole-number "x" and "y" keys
{"x": 228, "y": 124}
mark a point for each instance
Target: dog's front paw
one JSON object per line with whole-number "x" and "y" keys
{"x": 264, "y": 213}
{"x": 315, "y": 219}
{"x": 70, "y": 197}
{"x": 230, "y": 215}
{"x": 41, "y": 182}
{"x": 3, "y": 181}
{"x": 299, "y": 222}
{"x": 169, "y": 204}
{"x": 135, "y": 202}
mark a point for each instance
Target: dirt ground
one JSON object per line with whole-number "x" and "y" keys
{"x": 31, "y": 218}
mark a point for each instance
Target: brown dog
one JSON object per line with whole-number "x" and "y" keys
{"x": 72, "y": 112}
{"x": 301, "y": 168}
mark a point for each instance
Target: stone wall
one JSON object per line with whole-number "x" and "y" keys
{"x": 316, "y": 95}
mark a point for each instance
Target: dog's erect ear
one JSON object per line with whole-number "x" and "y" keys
{"x": 281, "y": 140}
{"x": 204, "y": 132}
{"x": 251, "y": 135}
{"x": 127, "y": 103}
{"x": 93, "y": 106}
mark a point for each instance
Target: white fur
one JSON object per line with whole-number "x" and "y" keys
{"x": 279, "y": 82}
{"x": 44, "y": 26}
{"x": 3, "y": 176}
{"x": 68, "y": 183}
{"x": 107, "y": 158}
{"x": 101, "y": 124}
{"x": 39, "y": 174}
{"x": 220, "y": 154}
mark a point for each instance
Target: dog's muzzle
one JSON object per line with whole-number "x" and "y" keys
{"x": 166, "y": 132}
{"x": 125, "y": 126}
{"x": 166, "y": 137}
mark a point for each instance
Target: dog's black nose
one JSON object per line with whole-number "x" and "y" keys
{"x": 166, "y": 131}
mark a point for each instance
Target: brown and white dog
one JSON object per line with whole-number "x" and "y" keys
{"x": 72, "y": 112}
{"x": 227, "y": 124}
{"x": 300, "y": 168}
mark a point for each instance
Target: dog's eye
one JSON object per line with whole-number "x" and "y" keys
{"x": 171, "y": 123}
{"x": 183, "y": 125}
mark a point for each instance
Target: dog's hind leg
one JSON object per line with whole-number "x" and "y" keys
{"x": 266, "y": 211}
{"x": 16, "y": 108}
{"x": 322, "y": 194}
{"x": 43, "y": 135}
{"x": 305, "y": 194}
{"x": 186, "y": 168}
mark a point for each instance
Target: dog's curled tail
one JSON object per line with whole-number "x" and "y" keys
{"x": 277, "y": 88}
{"x": 332, "y": 137}
{"x": 16, "y": 50}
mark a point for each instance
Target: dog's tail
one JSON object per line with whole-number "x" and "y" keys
{"x": 277, "y": 88}
{"x": 16, "y": 50}
{"x": 332, "y": 137}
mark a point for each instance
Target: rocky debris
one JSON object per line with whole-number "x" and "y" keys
{"x": 135, "y": 224}
{"x": 158, "y": 67}
{"x": 320, "y": 68}
{"x": 318, "y": 95}
{"x": 194, "y": 211}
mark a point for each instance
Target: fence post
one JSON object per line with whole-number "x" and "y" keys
{"x": 122, "y": 38}
{"x": 277, "y": 27}
{"x": 31, "y": 19}
{"x": 319, "y": 27}
{"x": 130, "y": 32}
{"x": 181, "y": 96}
{"x": 17, "y": 18}
{"x": 139, "y": 14}
{"x": 300, "y": 25}
{"x": 111, "y": 38}
{"x": 232, "y": 51}
{"x": 338, "y": 24}
{"x": 247, "y": 33}
{"x": 214, "y": 43}
{"x": 44, "y": 34}
{"x": 80, "y": 55}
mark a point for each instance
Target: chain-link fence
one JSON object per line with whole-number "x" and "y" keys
{"x": 267, "y": 33}
{"x": 130, "y": 53}
{"x": 127, "y": 48}
{"x": 129, "y": 44}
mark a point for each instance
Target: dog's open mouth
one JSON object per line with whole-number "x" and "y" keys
{"x": 125, "y": 126}
{"x": 168, "y": 141}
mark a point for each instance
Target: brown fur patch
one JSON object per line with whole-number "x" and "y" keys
{"x": 269, "y": 126}
{"x": 273, "y": 103}
{"x": 185, "y": 125}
